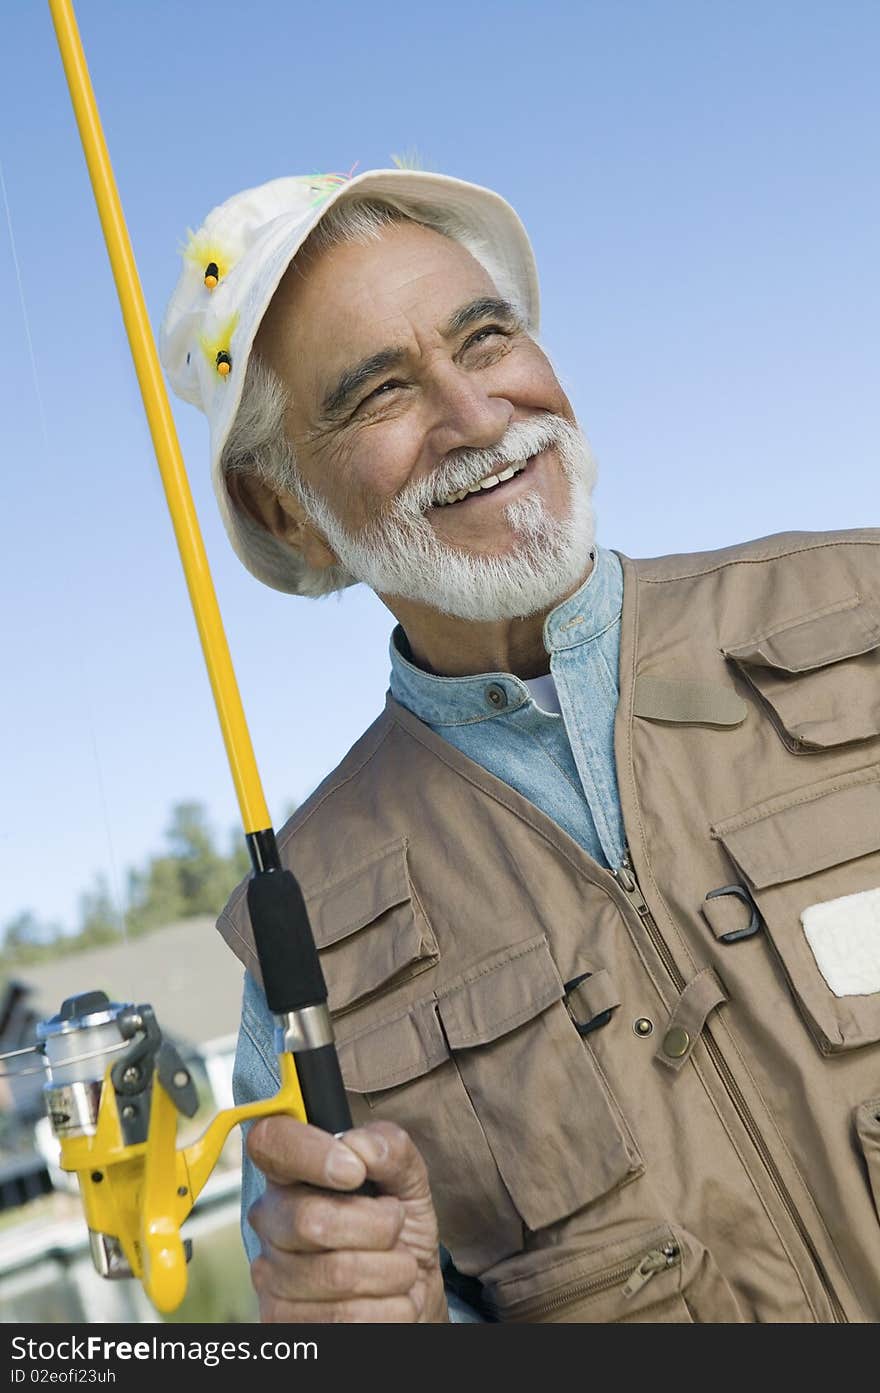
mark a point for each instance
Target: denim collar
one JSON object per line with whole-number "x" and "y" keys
{"x": 438, "y": 701}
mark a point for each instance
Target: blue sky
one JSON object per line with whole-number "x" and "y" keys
{"x": 700, "y": 185}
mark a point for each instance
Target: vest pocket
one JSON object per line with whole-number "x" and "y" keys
{"x": 660, "y": 1276}
{"x": 399, "y": 1067}
{"x": 552, "y": 1126}
{"x": 819, "y": 674}
{"x": 867, "y": 1124}
{"x": 812, "y": 862}
{"x": 504, "y": 1099}
{"x": 377, "y": 893}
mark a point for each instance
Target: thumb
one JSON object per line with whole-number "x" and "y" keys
{"x": 391, "y": 1158}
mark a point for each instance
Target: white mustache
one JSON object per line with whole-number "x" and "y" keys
{"x": 520, "y": 442}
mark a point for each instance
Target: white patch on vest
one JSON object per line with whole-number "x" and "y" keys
{"x": 844, "y": 935}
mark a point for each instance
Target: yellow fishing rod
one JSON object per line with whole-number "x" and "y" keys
{"x": 115, "y": 1086}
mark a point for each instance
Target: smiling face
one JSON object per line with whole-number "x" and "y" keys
{"x": 410, "y": 381}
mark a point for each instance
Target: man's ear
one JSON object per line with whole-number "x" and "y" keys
{"x": 283, "y": 515}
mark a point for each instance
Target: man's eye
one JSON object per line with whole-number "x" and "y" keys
{"x": 377, "y": 390}
{"x": 490, "y": 329}
{"x": 380, "y": 390}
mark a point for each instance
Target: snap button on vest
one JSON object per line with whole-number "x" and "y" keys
{"x": 701, "y": 995}
{"x": 642, "y": 1026}
{"x": 676, "y": 1042}
{"x": 496, "y": 696}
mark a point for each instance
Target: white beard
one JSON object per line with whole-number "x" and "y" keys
{"x": 402, "y": 554}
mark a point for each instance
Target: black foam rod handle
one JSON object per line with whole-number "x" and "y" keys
{"x": 322, "y": 1088}
{"x": 292, "y": 975}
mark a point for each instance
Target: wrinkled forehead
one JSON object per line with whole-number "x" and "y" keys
{"x": 337, "y": 304}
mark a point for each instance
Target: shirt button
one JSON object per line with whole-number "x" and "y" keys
{"x": 496, "y": 696}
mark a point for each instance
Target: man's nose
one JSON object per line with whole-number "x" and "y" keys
{"x": 468, "y": 414}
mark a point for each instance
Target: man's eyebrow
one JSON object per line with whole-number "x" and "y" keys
{"x": 353, "y": 379}
{"x": 486, "y": 307}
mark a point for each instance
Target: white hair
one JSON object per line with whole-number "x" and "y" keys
{"x": 257, "y": 444}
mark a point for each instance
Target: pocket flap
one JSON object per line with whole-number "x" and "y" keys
{"x": 348, "y": 902}
{"x": 504, "y": 991}
{"x": 400, "y": 942}
{"x": 394, "y": 1050}
{"x": 807, "y": 831}
{"x": 867, "y": 1120}
{"x": 811, "y": 859}
{"x": 842, "y": 630}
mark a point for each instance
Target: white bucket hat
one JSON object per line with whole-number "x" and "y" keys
{"x": 232, "y": 267}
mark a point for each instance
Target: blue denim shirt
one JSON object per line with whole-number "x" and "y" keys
{"x": 562, "y": 763}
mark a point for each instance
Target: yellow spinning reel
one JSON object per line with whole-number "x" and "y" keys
{"x": 114, "y": 1094}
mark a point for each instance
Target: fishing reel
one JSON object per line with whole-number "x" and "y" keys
{"x": 115, "y": 1092}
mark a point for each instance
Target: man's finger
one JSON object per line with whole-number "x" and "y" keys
{"x": 362, "y": 1310}
{"x": 391, "y": 1159}
{"x": 288, "y": 1151}
{"x": 300, "y": 1219}
{"x": 342, "y": 1275}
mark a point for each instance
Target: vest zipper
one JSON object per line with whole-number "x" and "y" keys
{"x": 626, "y": 879}
{"x": 635, "y": 1272}
{"x": 658, "y": 1260}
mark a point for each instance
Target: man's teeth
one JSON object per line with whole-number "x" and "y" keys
{"x": 490, "y": 483}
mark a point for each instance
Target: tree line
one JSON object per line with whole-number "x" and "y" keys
{"x": 190, "y": 876}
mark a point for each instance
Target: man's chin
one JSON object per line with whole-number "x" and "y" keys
{"x": 536, "y": 562}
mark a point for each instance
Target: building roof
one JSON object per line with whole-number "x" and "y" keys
{"x": 185, "y": 972}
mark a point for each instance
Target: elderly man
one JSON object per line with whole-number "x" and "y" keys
{"x": 598, "y": 894}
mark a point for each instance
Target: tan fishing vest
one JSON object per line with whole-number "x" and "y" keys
{"x": 638, "y": 1098}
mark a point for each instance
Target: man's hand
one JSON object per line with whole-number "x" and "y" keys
{"x": 331, "y": 1256}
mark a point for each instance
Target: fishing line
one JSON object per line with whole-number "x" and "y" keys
{"x": 116, "y": 898}
{"x": 293, "y": 979}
